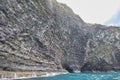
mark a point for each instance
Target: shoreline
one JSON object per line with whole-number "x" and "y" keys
{"x": 6, "y": 75}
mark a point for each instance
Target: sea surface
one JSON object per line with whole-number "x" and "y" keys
{"x": 82, "y": 76}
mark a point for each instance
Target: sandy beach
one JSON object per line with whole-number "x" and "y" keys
{"x": 6, "y": 75}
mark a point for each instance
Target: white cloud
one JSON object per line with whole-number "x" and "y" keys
{"x": 94, "y": 11}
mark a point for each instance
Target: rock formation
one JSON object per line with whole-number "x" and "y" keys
{"x": 44, "y": 35}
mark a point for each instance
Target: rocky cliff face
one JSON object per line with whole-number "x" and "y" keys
{"x": 43, "y": 35}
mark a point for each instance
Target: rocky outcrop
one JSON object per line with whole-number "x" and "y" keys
{"x": 44, "y": 35}
{"x": 103, "y": 49}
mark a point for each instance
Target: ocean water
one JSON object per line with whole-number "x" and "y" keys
{"x": 82, "y": 76}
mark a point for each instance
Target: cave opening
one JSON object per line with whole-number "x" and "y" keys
{"x": 68, "y": 68}
{"x": 87, "y": 67}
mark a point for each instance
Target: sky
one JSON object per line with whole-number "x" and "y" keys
{"x": 115, "y": 20}
{"x": 96, "y": 11}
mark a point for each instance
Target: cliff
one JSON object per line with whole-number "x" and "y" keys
{"x": 44, "y": 35}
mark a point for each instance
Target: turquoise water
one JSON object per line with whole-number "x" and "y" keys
{"x": 82, "y": 76}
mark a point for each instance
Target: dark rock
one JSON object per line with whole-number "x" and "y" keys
{"x": 44, "y": 35}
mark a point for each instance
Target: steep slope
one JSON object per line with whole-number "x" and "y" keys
{"x": 43, "y": 35}
{"x": 103, "y": 50}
